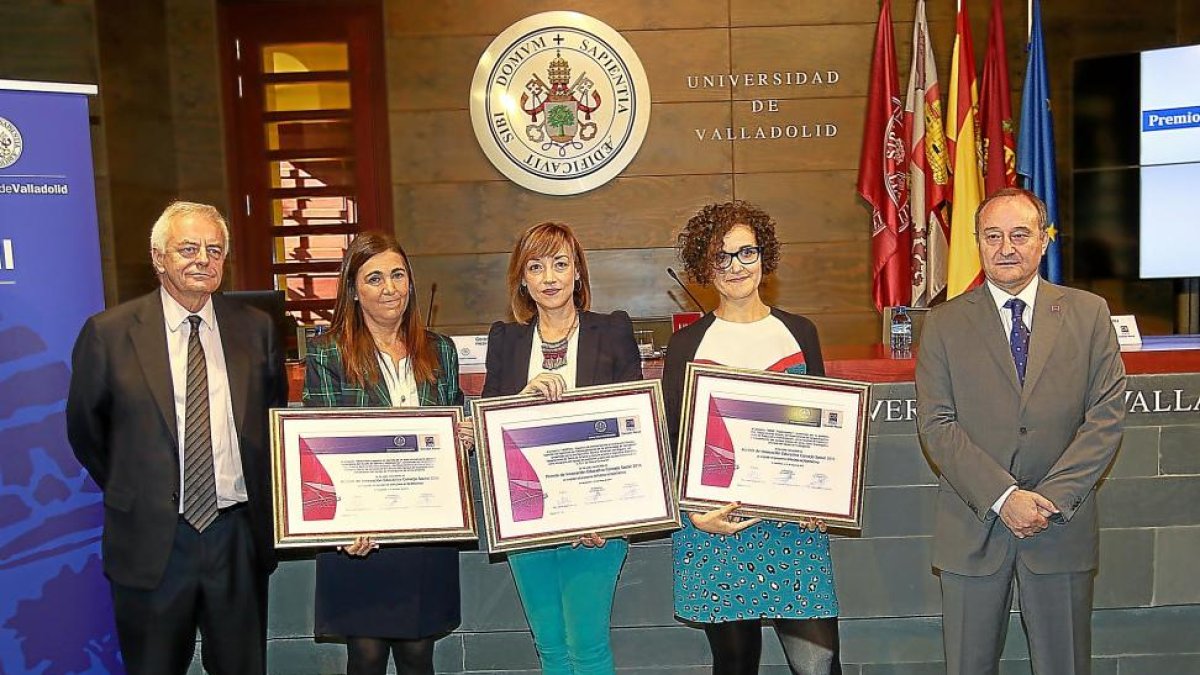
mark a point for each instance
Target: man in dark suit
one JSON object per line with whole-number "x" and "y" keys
{"x": 167, "y": 410}
{"x": 1020, "y": 388}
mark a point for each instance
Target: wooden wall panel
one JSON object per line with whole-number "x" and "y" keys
{"x": 808, "y": 50}
{"x": 812, "y": 278}
{"x": 845, "y": 328}
{"x": 437, "y": 72}
{"x": 788, "y": 12}
{"x": 489, "y": 17}
{"x": 810, "y": 116}
{"x": 808, "y": 206}
{"x": 669, "y": 55}
{"x": 449, "y": 218}
{"x": 437, "y": 145}
{"x": 822, "y": 277}
{"x": 791, "y": 12}
{"x": 671, "y": 148}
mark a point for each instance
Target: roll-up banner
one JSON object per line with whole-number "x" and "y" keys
{"x": 55, "y": 609}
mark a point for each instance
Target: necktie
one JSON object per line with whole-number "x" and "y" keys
{"x": 1018, "y": 337}
{"x": 199, "y": 481}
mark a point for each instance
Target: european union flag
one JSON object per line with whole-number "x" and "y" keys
{"x": 1035, "y": 145}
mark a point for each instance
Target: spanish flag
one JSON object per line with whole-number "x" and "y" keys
{"x": 966, "y": 162}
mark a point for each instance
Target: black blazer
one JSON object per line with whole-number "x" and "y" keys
{"x": 682, "y": 349}
{"x": 121, "y": 424}
{"x": 607, "y": 353}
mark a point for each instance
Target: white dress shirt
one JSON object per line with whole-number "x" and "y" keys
{"x": 400, "y": 380}
{"x": 227, "y": 458}
{"x": 1027, "y": 295}
{"x": 999, "y": 296}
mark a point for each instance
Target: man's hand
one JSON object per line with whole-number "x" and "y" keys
{"x": 722, "y": 520}
{"x": 1026, "y": 513}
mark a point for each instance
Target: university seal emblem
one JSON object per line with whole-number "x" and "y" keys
{"x": 560, "y": 103}
{"x": 11, "y": 144}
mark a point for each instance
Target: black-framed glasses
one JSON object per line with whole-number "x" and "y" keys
{"x": 746, "y": 255}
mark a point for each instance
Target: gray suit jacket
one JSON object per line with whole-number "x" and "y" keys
{"x": 984, "y": 432}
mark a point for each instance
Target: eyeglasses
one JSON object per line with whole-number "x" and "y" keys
{"x": 746, "y": 255}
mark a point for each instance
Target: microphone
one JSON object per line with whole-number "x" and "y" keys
{"x": 432, "y": 293}
{"x": 679, "y": 281}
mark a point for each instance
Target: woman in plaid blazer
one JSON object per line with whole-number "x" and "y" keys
{"x": 377, "y": 353}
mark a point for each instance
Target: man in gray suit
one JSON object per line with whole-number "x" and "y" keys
{"x": 1020, "y": 391}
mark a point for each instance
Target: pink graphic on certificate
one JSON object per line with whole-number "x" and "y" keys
{"x": 524, "y": 486}
{"x": 317, "y": 494}
{"x": 719, "y": 458}
{"x": 317, "y": 490}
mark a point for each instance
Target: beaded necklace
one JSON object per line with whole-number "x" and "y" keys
{"x": 554, "y": 354}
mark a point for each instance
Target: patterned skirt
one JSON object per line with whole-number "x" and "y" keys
{"x": 772, "y": 570}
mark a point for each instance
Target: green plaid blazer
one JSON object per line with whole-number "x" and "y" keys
{"x": 325, "y": 379}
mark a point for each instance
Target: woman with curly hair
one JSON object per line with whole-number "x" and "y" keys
{"x": 732, "y": 572}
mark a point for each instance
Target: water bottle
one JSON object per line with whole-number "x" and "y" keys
{"x": 901, "y": 333}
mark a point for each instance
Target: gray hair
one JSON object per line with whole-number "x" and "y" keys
{"x": 180, "y": 209}
{"x": 1003, "y": 193}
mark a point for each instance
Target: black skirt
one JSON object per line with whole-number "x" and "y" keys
{"x": 396, "y": 592}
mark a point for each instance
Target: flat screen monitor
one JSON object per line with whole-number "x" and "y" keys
{"x": 1137, "y": 165}
{"x": 271, "y": 302}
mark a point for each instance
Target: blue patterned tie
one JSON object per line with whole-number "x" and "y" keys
{"x": 1018, "y": 337}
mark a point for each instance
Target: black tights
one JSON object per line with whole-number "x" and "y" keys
{"x": 811, "y": 646}
{"x": 369, "y": 656}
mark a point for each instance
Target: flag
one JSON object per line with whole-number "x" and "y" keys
{"x": 995, "y": 111}
{"x": 963, "y": 272}
{"x": 1035, "y": 151}
{"x": 881, "y": 173}
{"x": 928, "y": 178}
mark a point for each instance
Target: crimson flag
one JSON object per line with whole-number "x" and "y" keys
{"x": 883, "y": 173}
{"x": 999, "y": 149}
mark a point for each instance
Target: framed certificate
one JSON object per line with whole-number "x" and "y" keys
{"x": 788, "y": 447}
{"x": 395, "y": 474}
{"x": 595, "y": 461}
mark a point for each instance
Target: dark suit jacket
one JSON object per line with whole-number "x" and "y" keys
{"x": 985, "y": 432}
{"x": 607, "y": 353}
{"x": 121, "y": 424}
{"x": 682, "y": 349}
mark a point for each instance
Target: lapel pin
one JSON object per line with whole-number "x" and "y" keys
{"x": 1055, "y": 308}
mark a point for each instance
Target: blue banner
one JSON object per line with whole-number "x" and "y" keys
{"x": 55, "y": 609}
{"x": 1171, "y": 118}
{"x": 1035, "y": 144}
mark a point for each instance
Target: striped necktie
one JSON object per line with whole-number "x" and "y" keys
{"x": 199, "y": 481}
{"x": 1018, "y": 337}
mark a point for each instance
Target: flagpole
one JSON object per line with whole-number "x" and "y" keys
{"x": 1028, "y": 21}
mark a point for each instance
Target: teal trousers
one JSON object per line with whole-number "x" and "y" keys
{"x": 568, "y": 596}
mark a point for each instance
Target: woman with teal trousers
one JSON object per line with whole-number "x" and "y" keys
{"x": 397, "y": 601}
{"x": 555, "y": 345}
